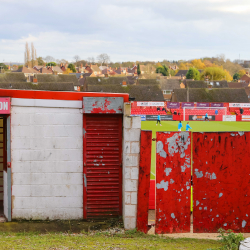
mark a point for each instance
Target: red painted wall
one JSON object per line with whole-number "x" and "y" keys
{"x": 221, "y": 167}
{"x": 173, "y": 182}
{"x": 144, "y": 181}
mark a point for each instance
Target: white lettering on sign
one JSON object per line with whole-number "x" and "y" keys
{"x": 238, "y": 105}
{"x": 3, "y": 105}
{"x": 150, "y": 103}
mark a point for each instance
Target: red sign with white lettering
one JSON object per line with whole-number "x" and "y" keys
{"x": 4, "y": 105}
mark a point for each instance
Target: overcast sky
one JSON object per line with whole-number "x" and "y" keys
{"x": 127, "y": 30}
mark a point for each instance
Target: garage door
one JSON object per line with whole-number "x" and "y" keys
{"x": 102, "y": 158}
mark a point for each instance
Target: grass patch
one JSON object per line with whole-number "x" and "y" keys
{"x": 101, "y": 240}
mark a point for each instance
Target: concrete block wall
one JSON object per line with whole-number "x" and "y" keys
{"x": 131, "y": 157}
{"x": 47, "y": 166}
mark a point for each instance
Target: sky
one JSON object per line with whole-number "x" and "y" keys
{"x": 131, "y": 30}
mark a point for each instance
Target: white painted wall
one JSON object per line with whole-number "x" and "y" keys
{"x": 47, "y": 163}
{"x": 131, "y": 157}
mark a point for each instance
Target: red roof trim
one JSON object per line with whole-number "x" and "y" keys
{"x": 57, "y": 95}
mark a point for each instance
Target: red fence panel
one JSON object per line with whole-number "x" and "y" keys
{"x": 173, "y": 182}
{"x": 144, "y": 181}
{"x": 221, "y": 166}
{"x": 152, "y": 195}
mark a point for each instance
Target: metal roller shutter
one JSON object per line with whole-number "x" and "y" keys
{"x": 102, "y": 153}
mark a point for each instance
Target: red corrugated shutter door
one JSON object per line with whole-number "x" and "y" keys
{"x": 102, "y": 158}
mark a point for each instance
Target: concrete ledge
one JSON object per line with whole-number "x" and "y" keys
{"x": 75, "y": 226}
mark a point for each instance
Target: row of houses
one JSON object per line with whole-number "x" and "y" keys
{"x": 139, "y": 89}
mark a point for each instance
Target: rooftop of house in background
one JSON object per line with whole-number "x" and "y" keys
{"x": 204, "y": 84}
{"x": 183, "y": 72}
{"x": 12, "y": 77}
{"x": 26, "y": 70}
{"x": 210, "y": 95}
{"x": 170, "y": 84}
{"x": 103, "y": 67}
{"x": 78, "y": 75}
{"x": 238, "y": 84}
{"x": 140, "y": 89}
{"x": 56, "y": 69}
{"x": 95, "y": 68}
{"x": 51, "y": 82}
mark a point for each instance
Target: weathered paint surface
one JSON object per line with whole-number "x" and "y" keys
{"x": 112, "y": 105}
{"x": 173, "y": 181}
{"x": 221, "y": 181}
{"x": 102, "y": 158}
{"x": 144, "y": 181}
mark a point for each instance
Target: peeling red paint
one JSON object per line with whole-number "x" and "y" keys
{"x": 173, "y": 182}
{"x": 106, "y": 105}
{"x": 144, "y": 181}
{"x": 221, "y": 181}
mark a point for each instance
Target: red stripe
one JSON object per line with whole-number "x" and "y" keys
{"x": 57, "y": 95}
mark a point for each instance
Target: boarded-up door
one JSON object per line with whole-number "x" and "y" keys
{"x": 102, "y": 158}
{"x": 173, "y": 182}
{"x": 221, "y": 163}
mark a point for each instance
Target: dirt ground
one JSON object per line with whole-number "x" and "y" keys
{"x": 191, "y": 235}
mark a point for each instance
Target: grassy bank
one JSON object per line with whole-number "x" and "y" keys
{"x": 100, "y": 240}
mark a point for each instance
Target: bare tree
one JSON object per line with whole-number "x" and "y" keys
{"x": 77, "y": 58}
{"x": 103, "y": 58}
{"x": 91, "y": 60}
{"x": 27, "y": 59}
{"x": 33, "y": 56}
{"x": 49, "y": 59}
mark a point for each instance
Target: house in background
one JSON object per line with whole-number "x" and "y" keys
{"x": 168, "y": 86}
{"x": 28, "y": 73}
{"x": 245, "y": 78}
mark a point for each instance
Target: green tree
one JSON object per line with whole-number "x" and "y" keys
{"x": 138, "y": 69}
{"x": 72, "y": 67}
{"x": 3, "y": 66}
{"x": 193, "y": 73}
{"x": 40, "y": 61}
{"x": 164, "y": 70}
{"x": 216, "y": 73}
{"x": 236, "y": 76}
{"x": 51, "y": 64}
